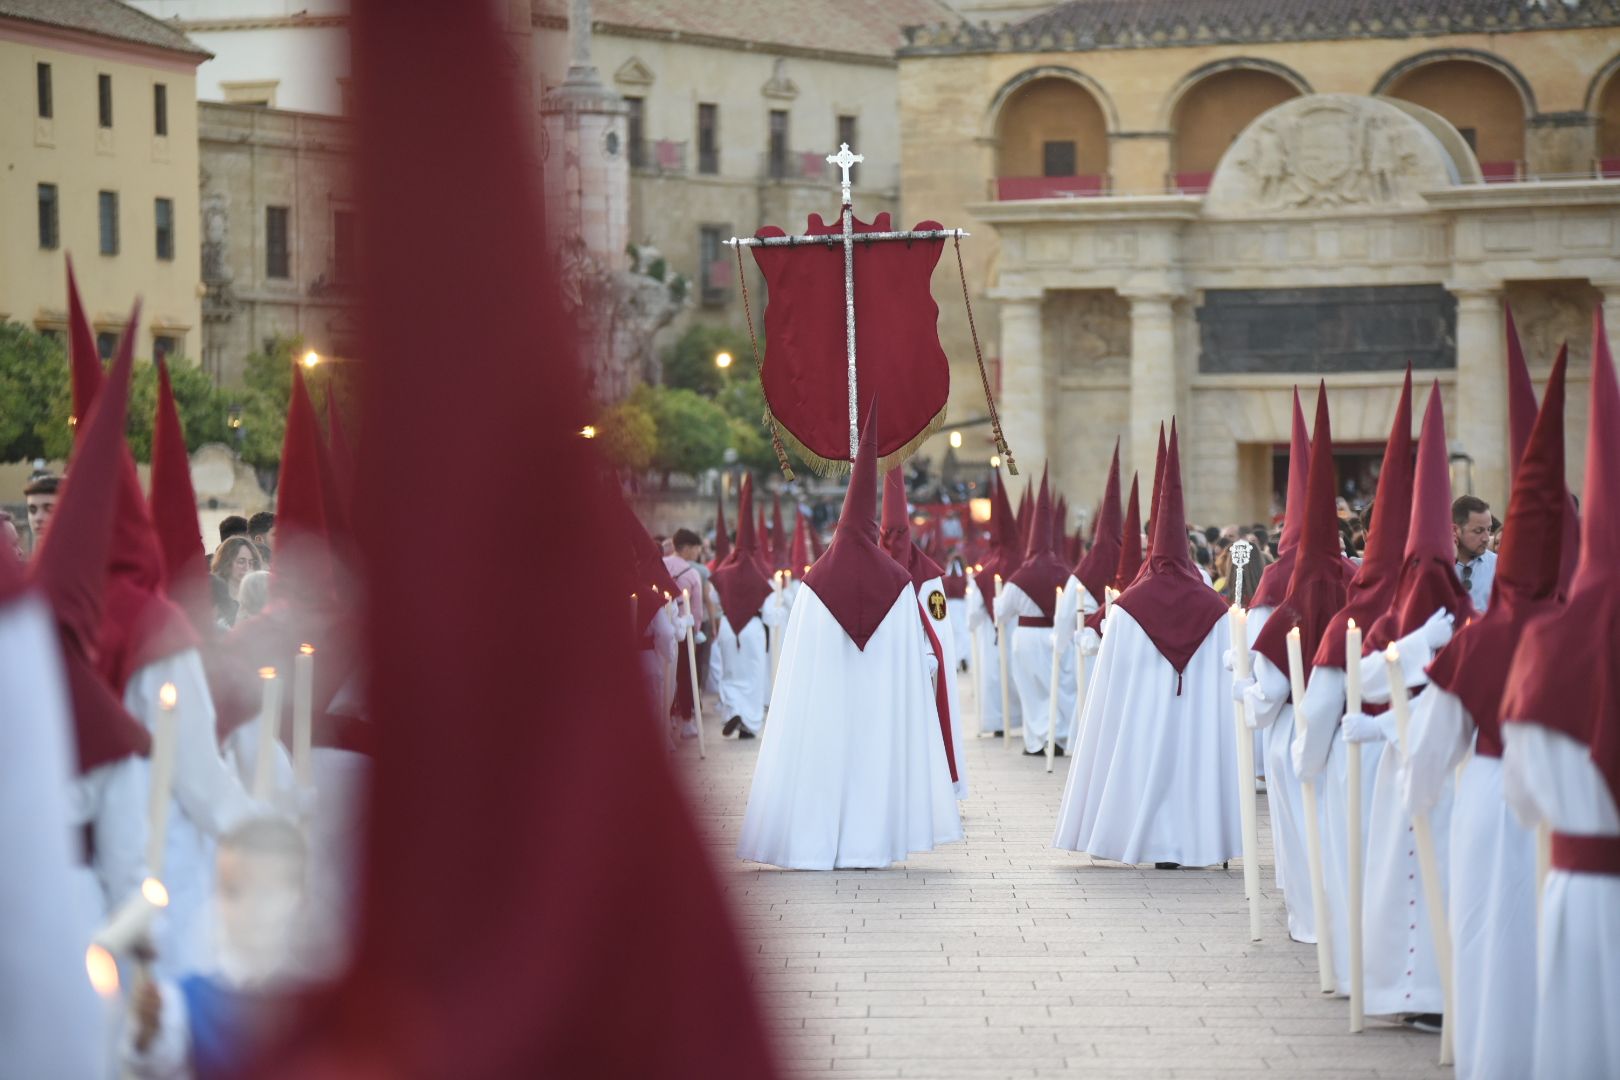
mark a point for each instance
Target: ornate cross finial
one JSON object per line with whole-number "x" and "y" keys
{"x": 845, "y": 161}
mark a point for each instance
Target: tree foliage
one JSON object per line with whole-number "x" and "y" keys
{"x": 629, "y": 436}
{"x": 33, "y": 375}
{"x": 689, "y": 364}
{"x": 693, "y": 431}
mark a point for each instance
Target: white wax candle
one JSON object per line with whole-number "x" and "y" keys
{"x": 1352, "y": 667}
{"x": 1240, "y": 641}
{"x": 1296, "y": 668}
{"x": 303, "y": 715}
{"x": 269, "y": 719}
{"x": 160, "y": 790}
{"x": 1398, "y": 702}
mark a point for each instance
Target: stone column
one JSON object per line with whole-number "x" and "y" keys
{"x": 1480, "y": 428}
{"x": 1022, "y": 401}
{"x": 1610, "y": 293}
{"x": 1155, "y": 381}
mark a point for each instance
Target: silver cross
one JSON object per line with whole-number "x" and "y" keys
{"x": 845, "y": 161}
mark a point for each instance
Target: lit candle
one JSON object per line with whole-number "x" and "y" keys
{"x": 1248, "y": 808}
{"x": 160, "y": 790}
{"x": 130, "y": 924}
{"x": 269, "y": 719}
{"x": 635, "y": 617}
{"x": 1352, "y": 698}
{"x": 303, "y": 718}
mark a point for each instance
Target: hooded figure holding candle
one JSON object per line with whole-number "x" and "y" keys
{"x": 1493, "y": 875}
{"x": 981, "y": 605}
{"x": 1561, "y": 766}
{"x": 855, "y": 770}
{"x": 1154, "y": 777}
{"x": 1084, "y": 593}
{"x": 1028, "y": 603}
{"x": 1399, "y": 957}
{"x": 739, "y": 661}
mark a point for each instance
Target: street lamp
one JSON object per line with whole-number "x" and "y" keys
{"x": 722, "y": 360}
{"x": 956, "y": 440}
{"x": 310, "y": 359}
{"x": 995, "y": 461}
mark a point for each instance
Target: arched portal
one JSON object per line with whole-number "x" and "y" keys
{"x": 1212, "y": 110}
{"x": 1051, "y": 141}
{"x": 1606, "y": 107}
{"x": 1480, "y": 100}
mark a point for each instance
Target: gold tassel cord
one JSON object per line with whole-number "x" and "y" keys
{"x": 978, "y": 353}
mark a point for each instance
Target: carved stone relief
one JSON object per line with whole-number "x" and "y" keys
{"x": 1087, "y": 332}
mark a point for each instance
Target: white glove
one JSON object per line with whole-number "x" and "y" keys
{"x": 1254, "y": 707}
{"x": 1361, "y": 728}
{"x": 700, "y": 637}
{"x": 1437, "y": 631}
{"x": 1239, "y": 686}
{"x": 1226, "y": 660}
{"x": 1090, "y": 642}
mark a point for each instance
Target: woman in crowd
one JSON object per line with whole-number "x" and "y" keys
{"x": 234, "y": 561}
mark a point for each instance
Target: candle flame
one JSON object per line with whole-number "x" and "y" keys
{"x": 168, "y": 695}
{"x": 1236, "y": 607}
{"x": 103, "y": 971}
{"x": 307, "y": 649}
{"x": 1294, "y": 633}
{"x": 1350, "y": 624}
{"x": 267, "y": 673}
{"x": 154, "y": 892}
{"x": 1392, "y": 654}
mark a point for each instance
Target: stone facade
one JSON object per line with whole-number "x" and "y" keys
{"x": 278, "y": 228}
{"x": 1097, "y": 306}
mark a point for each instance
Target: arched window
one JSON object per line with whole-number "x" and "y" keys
{"x": 1606, "y": 107}
{"x": 1481, "y": 101}
{"x": 1213, "y": 111}
{"x": 1051, "y": 141}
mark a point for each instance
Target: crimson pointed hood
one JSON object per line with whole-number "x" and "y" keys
{"x": 1153, "y": 504}
{"x": 1026, "y": 507}
{"x": 722, "y": 535}
{"x": 1169, "y": 599}
{"x": 1521, "y": 394}
{"x": 1060, "y": 528}
{"x": 1003, "y": 533}
{"x": 174, "y": 512}
{"x": 1274, "y": 581}
{"x": 1096, "y": 569}
{"x": 1566, "y": 671}
{"x": 895, "y": 534}
{"x": 1130, "y": 541}
{"x": 1316, "y": 591}
{"x": 767, "y": 546}
{"x": 1042, "y": 572}
{"x": 1428, "y": 578}
{"x": 856, "y": 580}
{"x": 740, "y": 580}
{"x": 70, "y": 567}
{"x": 1474, "y": 667}
{"x": 816, "y": 547}
{"x": 139, "y": 624}
{"x": 302, "y": 571}
{"x": 799, "y": 558}
{"x": 779, "y": 537}
{"x": 1372, "y": 588}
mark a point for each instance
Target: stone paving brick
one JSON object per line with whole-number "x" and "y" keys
{"x": 1000, "y": 957}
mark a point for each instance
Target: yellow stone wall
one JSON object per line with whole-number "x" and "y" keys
{"x": 81, "y": 158}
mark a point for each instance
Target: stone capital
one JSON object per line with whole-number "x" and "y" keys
{"x": 1016, "y": 294}
{"x": 1476, "y": 294}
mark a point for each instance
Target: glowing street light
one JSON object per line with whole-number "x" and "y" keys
{"x": 588, "y": 431}
{"x": 995, "y": 461}
{"x": 722, "y": 360}
{"x": 310, "y": 359}
{"x": 956, "y": 440}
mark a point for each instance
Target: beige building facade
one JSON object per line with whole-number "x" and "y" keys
{"x": 1179, "y": 211}
{"x": 279, "y": 234}
{"x": 99, "y": 144}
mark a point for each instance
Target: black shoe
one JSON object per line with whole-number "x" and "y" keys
{"x": 1430, "y": 1022}
{"x": 1059, "y": 751}
{"x": 1167, "y": 866}
{"x": 731, "y": 725}
{"x": 1035, "y": 753}
{"x": 744, "y": 733}
{"x": 997, "y": 734}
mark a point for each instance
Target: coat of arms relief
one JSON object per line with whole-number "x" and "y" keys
{"x": 1328, "y": 154}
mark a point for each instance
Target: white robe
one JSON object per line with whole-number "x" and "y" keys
{"x": 740, "y": 666}
{"x": 947, "y": 645}
{"x": 51, "y": 1023}
{"x": 981, "y": 625}
{"x": 1548, "y": 778}
{"x": 1076, "y": 601}
{"x": 1255, "y": 623}
{"x": 852, "y": 772}
{"x": 1274, "y": 715}
{"x": 207, "y": 801}
{"x": 1398, "y": 962}
{"x": 1493, "y": 892}
{"x": 1030, "y": 665}
{"x": 655, "y": 662}
{"x": 1321, "y": 753}
{"x": 956, "y": 614}
{"x": 1154, "y": 778}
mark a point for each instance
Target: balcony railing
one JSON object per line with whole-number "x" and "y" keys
{"x": 1008, "y": 188}
{"x": 1190, "y": 183}
{"x": 660, "y": 156}
{"x": 803, "y": 166}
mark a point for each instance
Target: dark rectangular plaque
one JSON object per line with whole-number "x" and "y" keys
{"x": 1359, "y": 328}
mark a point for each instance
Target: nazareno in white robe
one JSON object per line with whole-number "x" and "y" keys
{"x": 947, "y": 645}
{"x": 1549, "y": 779}
{"x": 208, "y": 800}
{"x": 982, "y": 627}
{"x": 1154, "y": 778}
{"x": 1268, "y": 707}
{"x": 1493, "y": 891}
{"x": 51, "y": 1023}
{"x": 852, "y": 771}
{"x": 1262, "y": 736}
{"x": 740, "y": 666}
{"x": 1398, "y": 960}
{"x": 1077, "y": 600}
{"x": 1030, "y": 665}
{"x": 1321, "y": 753}
{"x": 956, "y": 615}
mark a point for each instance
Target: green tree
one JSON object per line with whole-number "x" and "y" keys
{"x": 629, "y": 436}
{"x": 203, "y": 407}
{"x": 689, "y": 364}
{"x": 693, "y": 432}
{"x": 267, "y": 388}
{"x": 33, "y": 394}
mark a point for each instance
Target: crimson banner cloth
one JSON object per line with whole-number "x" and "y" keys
{"x": 897, "y": 348}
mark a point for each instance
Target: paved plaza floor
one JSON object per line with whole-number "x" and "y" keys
{"x": 1003, "y": 957}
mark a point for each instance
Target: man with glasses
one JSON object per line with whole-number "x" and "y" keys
{"x": 1476, "y": 562}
